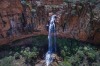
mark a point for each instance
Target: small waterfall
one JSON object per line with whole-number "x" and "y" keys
{"x": 51, "y": 41}
{"x": 12, "y": 23}
{"x": 13, "y": 27}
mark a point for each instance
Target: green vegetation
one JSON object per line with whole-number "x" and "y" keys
{"x": 26, "y": 50}
{"x": 76, "y": 53}
{"x": 6, "y": 61}
{"x": 73, "y": 52}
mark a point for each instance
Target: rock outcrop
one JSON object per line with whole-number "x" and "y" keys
{"x": 80, "y": 21}
{"x": 8, "y": 8}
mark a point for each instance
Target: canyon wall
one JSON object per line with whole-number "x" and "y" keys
{"x": 8, "y": 8}
{"x": 20, "y": 20}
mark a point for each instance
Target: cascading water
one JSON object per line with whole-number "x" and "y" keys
{"x": 51, "y": 41}
{"x": 13, "y": 27}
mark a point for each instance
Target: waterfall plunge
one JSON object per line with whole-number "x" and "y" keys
{"x": 51, "y": 41}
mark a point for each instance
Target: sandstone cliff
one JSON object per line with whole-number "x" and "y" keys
{"x": 80, "y": 20}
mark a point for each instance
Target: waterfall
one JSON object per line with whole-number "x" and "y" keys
{"x": 13, "y": 27}
{"x": 51, "y": 41}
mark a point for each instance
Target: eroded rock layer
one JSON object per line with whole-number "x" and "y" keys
{"x": 21, "y": 19}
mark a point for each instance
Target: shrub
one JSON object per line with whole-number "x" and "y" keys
{"x": 17, "y": 55}
{"x": 65, "y": 63}
{"x": 77, "y": 53}
{"x": 7, "y": 61}
{"x": 29, "y": 54}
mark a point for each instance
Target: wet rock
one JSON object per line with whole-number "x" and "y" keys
{"x": 41, "y": 63}
{"x": 56, "y": 61}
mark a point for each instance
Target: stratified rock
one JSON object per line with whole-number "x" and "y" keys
{"x": 74, "y": 19}
{"x": 8, "y": 8}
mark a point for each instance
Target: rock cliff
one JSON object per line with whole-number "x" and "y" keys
{"x": 80, "y": 21}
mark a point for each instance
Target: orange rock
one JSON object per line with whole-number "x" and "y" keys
{"x": 11, "y": 5}
{"x": 97, "y": 38}
{"x": 83, "y": 36}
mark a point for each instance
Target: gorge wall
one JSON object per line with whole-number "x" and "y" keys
{"x": 19, "y": 20}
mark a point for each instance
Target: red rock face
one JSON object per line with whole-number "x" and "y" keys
{"x": 97, "y": 38}
{"x": 68, "y": 25}
{"x": 73, "y": 28}
{"x": 11, "y": 6}
{"x": 8, "y": 9}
